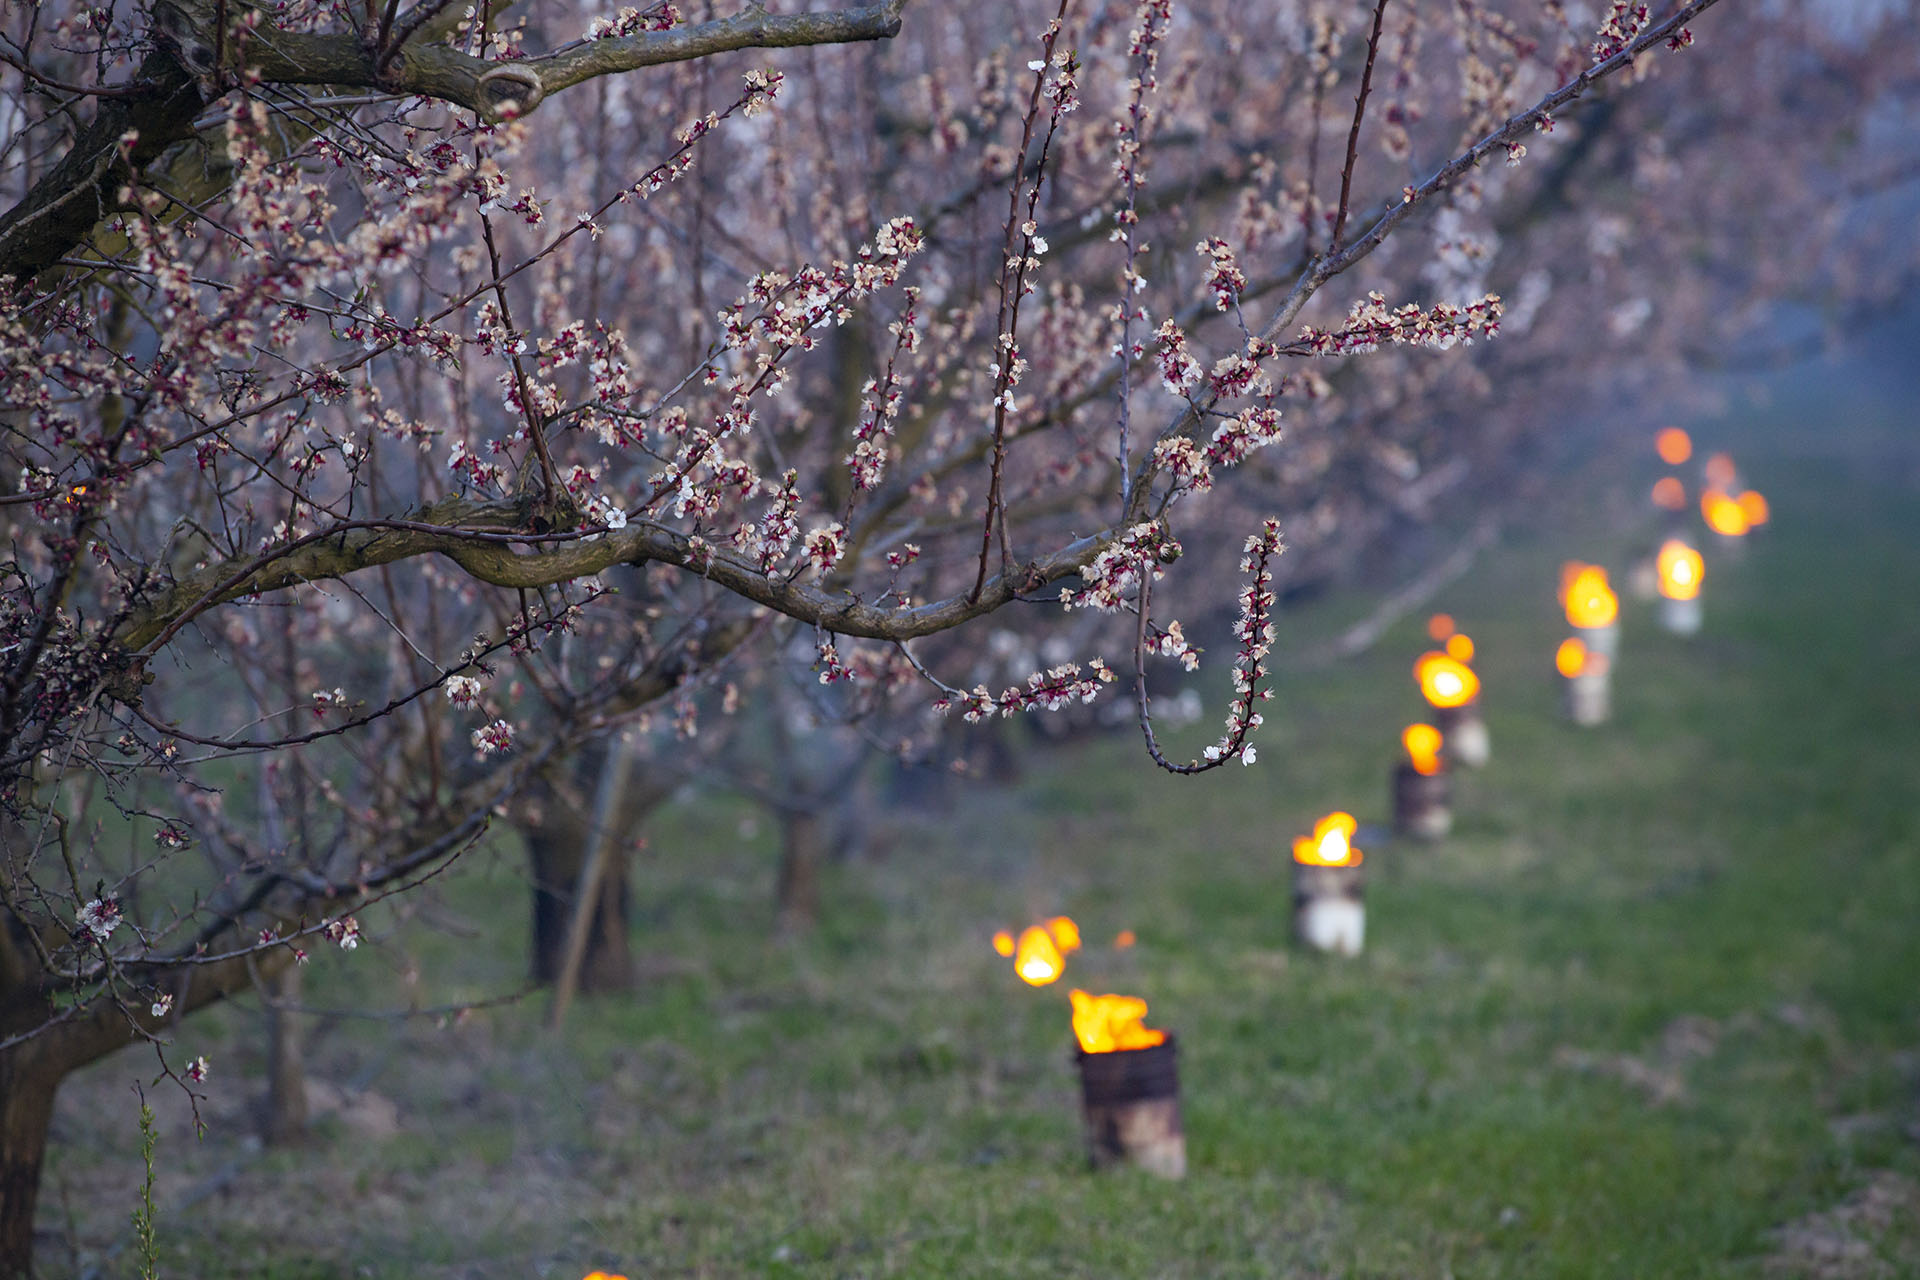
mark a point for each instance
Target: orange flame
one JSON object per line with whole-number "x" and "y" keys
{"x": 1124, "y": 939}
{"x": 1755, "y": 507}
{"x": 1330, "y": 845}
{"x": 1037, "y": 960}
{"x": 1681, "y": 570}
{"x": 1570, "y": 659}
{"x": 1440, "y": 626}
{"x": 1669, "y": 493}
{"x": 1588, "y": 598}
{"x": 603, "y": 1275}
{"x": 1066, "y": 934}
{"x": 1445, "y": 680}
{"x": 1108, "y": 1024}
{"x": 1723, "y": 515}
{"x": 1422, "y": 742}
{"x": 1460, "y": 647}
{"x": 1673, "y": 445}
{"x": 1003, "y": 943}
{"x": 1720, "y": 471}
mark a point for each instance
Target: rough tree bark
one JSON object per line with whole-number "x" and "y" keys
{"x": 803, "y": 848}
{"x": 283, "y": 1120}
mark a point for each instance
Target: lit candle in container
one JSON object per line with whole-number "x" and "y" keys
{"x": 1129, "y": 1086}
{"x": 1673, "y": 445}
{"x": 1589, "y": 682}
{"x": 1039, "y": 955}
{"x": 1422, "y": 792}
{"x": 1593, "y": 610}
{"x": 1681, "y": 570}
{"x": 1329, "y": 892}
{"x": 1453, "y": 691}
{"x": 1727, "y": 517}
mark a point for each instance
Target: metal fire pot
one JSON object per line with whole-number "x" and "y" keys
{"x": 1131, "y": 1098}
{"x": 1464, "y": 734}
{"x": 1422, "y": 803}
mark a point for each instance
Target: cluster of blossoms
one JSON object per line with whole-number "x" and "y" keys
{"x": 491, "y": 738}
{"x": 463, "y": 691}
{"x": 344, "y": 930}
{"x": 1117, "y": 569}
{"x": 323, "y": 701}
{"x": 1370, "y": 325}
{"x": 880, "y": 402}
{"x": 199, "y": 1069}
{"x": 1044, "y": 691}
{"x": 1254, "y": 632}
{"x": 1172, "y": 643}
{"x": 100, "y": 917}
{"x": 825, "y": 546}
{"x": 658, "y": 17}
{"x": 1225, "y": 279}
{"x": 1179, "y": 371}
{"x": 1625, "y": 19}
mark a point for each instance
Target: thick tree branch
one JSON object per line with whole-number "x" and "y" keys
{"x": 157, "y": 109}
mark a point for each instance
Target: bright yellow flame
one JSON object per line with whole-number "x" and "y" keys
{"x": 1124, "y": 939}
{"x": 1440, "y": 626}
{"x": 1460, "y": 647}
{"x": 1723, "y": 515}
{"x": 603, "y": 1275}
{"x": 1003, "y": 943}
{"x": 1037, "y": 960}
{"x": 1066, "y": 934}
{"x": 1720, "y": 472}
{"x": 1681, "y": 570}
{"x": 1589, "y": 599}
{"x": 1755, "y": 505}
{"x": 1673, "y": 445}
{"x": 1422, "y": 742}
{"x": 1330, "y": 845}
{"x": 1570, "y": 659}
{"x": 1106, "y": 1024}
{"x": 1669, "y": 493}
{"x": 1445, "y": 680}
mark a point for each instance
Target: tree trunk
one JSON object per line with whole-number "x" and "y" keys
{"x": 557, "y": 853}
{"x": 283, "y": 1121}
{"x": 802, "y": 850}
{"x": 27, "y": 1085}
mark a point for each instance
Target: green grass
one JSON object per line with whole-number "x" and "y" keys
{"x": 1658, "y": 997}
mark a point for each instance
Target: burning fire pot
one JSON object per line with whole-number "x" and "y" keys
{"x": 1589, "y": 686}
{"x": 1592, "y": 608}
{"x": 1329, "y": 902}
{"x": 1129, "y": 1086}
{"x": 1422, "y": 792}
{"x": 1453, "y": 690}
{"x": 1681, "y": 570}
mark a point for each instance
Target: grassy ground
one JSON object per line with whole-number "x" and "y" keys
{"x": 1653, "y": 1011}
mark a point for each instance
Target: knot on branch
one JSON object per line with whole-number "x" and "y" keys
{"x": 508, "y": 91}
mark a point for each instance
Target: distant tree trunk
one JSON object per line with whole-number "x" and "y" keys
{"x": 558, "y": 851}
{"x": 283, "y": 1121}
{"x": 803, "y": 848}
{"x": 27, "y": 1087}
{"x": 557, "y": 820}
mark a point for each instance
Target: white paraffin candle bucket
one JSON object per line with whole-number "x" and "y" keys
{"x": 1590, "y": 698}
{"x": 1681, "y": 617}
{"x": 1604, "y": 641}
{"x": 1329, "y": 908}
